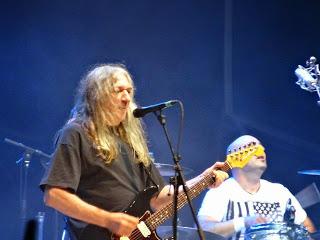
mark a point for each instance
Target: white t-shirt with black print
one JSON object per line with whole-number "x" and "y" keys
{"x": 230, "y": 201}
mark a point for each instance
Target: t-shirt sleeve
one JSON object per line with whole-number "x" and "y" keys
{"x": 65, "y": 166}
{"x": 214, "y": 204}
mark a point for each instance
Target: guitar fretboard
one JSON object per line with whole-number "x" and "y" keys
{"x": 166, "y": 212}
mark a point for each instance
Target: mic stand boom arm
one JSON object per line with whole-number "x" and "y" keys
{"x": 179, "y": 180}
{"x": 24, "y": 163}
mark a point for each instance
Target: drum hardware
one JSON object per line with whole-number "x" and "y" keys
{"x": 289, "y": 214}
{"x": 315, "y": 235}
{"x": 308, "y": 196}
{"x": 24, "y": 163}
{"x": 310, "y": 172}
{"x": 277, "y": 231}
{"x": 185, "y": 233}
{"x": 167, "y": 170}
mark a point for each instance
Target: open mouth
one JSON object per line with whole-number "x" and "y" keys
{"x": 261, "y": 158}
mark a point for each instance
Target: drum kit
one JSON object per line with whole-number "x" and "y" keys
{"x": 267, "y": 231}
{"x": 277, "y": 231}
{"x": 185, "y": 233}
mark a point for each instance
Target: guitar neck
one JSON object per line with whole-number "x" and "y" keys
{"x": 166, "y": 212}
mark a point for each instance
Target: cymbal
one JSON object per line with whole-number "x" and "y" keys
{"x": 310, "y": 172}
{"x": 185, "y": 233}
{"x": 167, "y": 170}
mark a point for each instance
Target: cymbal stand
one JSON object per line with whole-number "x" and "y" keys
{"x": 179, "y": 179}
{"x": 24, "y": 163}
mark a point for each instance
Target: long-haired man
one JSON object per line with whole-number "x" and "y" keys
{"x": 101, "y": 160}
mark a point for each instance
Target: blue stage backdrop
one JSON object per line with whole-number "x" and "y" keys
{"x": 230, "y": 62}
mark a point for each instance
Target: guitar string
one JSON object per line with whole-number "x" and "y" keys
{"x": 167, "y": 212}
{"x": 182, "y": 200}
{"x": 182, "y": 197}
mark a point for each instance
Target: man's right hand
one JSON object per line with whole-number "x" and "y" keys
{"x": 121, "y": 224}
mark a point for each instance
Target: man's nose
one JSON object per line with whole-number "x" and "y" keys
{"x": 126, "y": 97}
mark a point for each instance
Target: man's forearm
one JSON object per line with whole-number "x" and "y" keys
{"x": 166, "y": 194}
{"x": 71, "y": 205}
{"x": 309, "y": 225}
{"x": 225, "y": 229}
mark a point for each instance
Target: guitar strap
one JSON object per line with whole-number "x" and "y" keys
{"x": 149, "y": 176}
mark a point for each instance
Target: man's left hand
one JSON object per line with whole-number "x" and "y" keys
{"x": 219, "y": 175}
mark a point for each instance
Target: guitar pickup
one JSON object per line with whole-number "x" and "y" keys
{"x": 143, "y": 229}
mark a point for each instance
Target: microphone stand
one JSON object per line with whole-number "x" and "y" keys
{"x": 24, "y": 163}
{"x": 179, "y": 179}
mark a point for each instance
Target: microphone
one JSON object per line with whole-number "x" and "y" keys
{"x": 305, "y": 79}
{"x": 140, "y": 112}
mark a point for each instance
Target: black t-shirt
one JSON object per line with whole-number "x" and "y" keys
{"x": 112, "y": 187}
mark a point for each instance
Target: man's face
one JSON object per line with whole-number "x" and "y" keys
{"x": 257, "y": 162}
{"x": 119, "y": 99}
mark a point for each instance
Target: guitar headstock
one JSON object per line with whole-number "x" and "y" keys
{"x": 238, "y": 158}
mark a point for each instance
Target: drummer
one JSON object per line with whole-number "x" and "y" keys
{"x": 246, "y": 199}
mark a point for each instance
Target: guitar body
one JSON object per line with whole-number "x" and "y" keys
{"x": 140, "y": 205}
{"x": 136, "y": 208}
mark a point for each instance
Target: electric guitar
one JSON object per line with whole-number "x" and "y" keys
{"x": 146, "y": 228}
